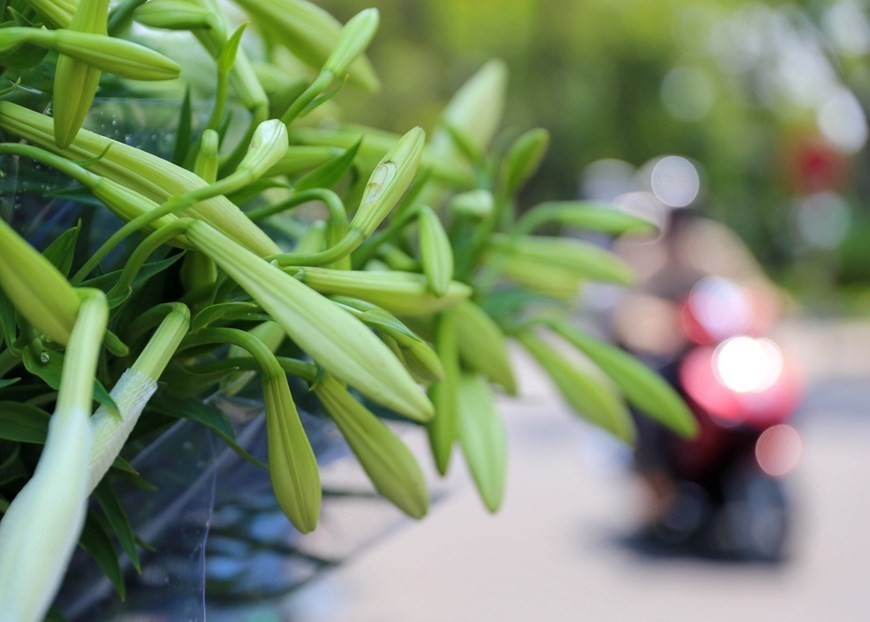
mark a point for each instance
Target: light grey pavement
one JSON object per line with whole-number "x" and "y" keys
{"x": 554, "y": 554}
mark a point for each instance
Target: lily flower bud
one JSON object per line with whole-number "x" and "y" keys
{"x": 445, "y": 394}
{"x": 145, "y": 173}
{"x": 482, "y": 345}
{"x": 436, "y": 253}
{"x": 353, "y": 41}
{"x": 116, "y": 56}
{"x": 268, "y": 146}
{"x": 208, "y": 157}
{"x": 388, "y": 182}
{"x": 401, "y": 293}
{"x": 388, "y": 463}
{"x": 587, "y": 395}
{"x": 523, "y": 159}
{"x": 475, "y": 110}
{"x": 483, "y": 439}
{"x": 76, "y": 82}
{"x": 474, "y": 203}
{"x": 336, "y": 340}
{"x": 175, "y": 15}
{"x": 309, "y": 32}
{"x": 59, "y": 13}
{"x": 292, "y": 465}
{"x": 36, "y": 288}
{"x": 40, "y": 529}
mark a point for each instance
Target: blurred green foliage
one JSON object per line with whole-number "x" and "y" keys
{"x": 736, "y": 86}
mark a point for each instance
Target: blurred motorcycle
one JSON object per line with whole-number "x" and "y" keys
{"x": 720, "y": 493}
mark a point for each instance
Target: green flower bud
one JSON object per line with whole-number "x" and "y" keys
{"x": 309, "y": 32}
{"x": 591, "y": 215}
{"x": 585, "y": 260}
{"x": 146, "y": 174}
{"x": 388, "y": 463}
{"x": 131, "y": 393}
{"x": 75, "y": 82}
{"x": 175, "y": 15}
{"x": 483, "y": 439}
{"x": 482, "y": 345}
{"x": 401, "y": 293}
{"x": 267, "y": 147}
{"x": 36, "y": 288}
{"x": 388, "y": 182}
{"x": 436, "y": 253}
{"x": 58, "y": 13}
{"x": 41, "y": 527}
{"x": 292, "y": 465}
{"x": 641, "y": 386}
{"x": 208, "y": 157}
{"x": 337, "y": 341}
{"x": 445, "y": 394}
{"x": 587, "y": 395}
{"x": 353, "y": 41}
{"x": 116, "y": 56}
{"x": 523, "y": 159}
{"x": 475, "y": 110}
{"x": 475, "y": 203}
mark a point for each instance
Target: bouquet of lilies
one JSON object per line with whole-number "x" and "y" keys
{"x": 402, "y": 292}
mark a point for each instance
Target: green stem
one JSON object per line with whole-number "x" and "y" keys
{"x": 320, "y": 83}
{"x": 83, "y": 350}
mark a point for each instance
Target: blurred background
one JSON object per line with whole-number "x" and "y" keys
{"x": 758, "y": 111}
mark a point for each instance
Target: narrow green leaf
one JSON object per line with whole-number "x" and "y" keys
{"x": 4, "y": 382}
{"x": 204, "y": 414}
{"x": 96, "y": 542}
{"x": 641, "y": 386}
{"x": 12, "y": 468}
{"x": 184, "y": 131}
{"x": 62, "y": 250}
{"x": 48, "y": 365}
{"x": 23, "y": 423}
{"x": 327, "y": 175}
{"x": 118, "y": 521}
{"x": 483, "y": 439}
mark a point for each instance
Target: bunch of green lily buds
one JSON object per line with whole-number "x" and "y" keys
{"x": 406, "y": 275}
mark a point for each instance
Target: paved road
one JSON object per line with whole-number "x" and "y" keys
{"x": 554, "y": 552}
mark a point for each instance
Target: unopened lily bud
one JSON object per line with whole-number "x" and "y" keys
{"x": 388, "y": 463}
{"x": 76, "y": 82}
{"x": 402, "y": 293}
{"x": 174, "y": 15}
{"x": 436, "y": 253}
{"x": 146, "y": 174}
{"x": 388, "y": 182}
{"x": 292, "y": 465}
{"x": 475, "y": 110}
{"x": 208, "y": 157}
{"x": 483, "y": 439}
{"x": 523, "y": 159}
{"x": 591, "y": 215}
{"x": 309, "y": 32}
{"x": 116, "y": 56}
{"x": 353, "y": 41}
{"x": 587, "y": 395}
{"x": 37, "y": 289}
{"x": 642, "y": 387}
{"x": 59, "y": 13}
{"x": 585, "y": 260}
{"x": 41, "y": 527}
{"x": 445, "y": 394}
{"x": 131, "y": 393}
{"x": 475, "y": 204}
{"x": 268, "y": 146}
{"x": 482, "y": 345}
{"x": 336, "y": 340}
